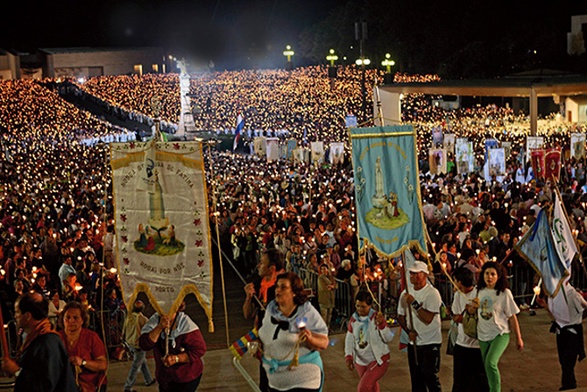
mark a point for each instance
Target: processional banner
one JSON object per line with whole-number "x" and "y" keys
{"x": 496, "y": 162}
{"x": 449, "y": 142}
{"x": 538, "y": 163}
{"x": 552, "y": 164}
{"x": 437, "y": 159}
{"x": 578, "y": 145}
{"x": 336, "y": 155}
{"x": 464, "y": 155}
{"x": 317, "y": 149}
{"x": 272, "y": 145}
{"x": 161, "y": 220}
{"x": 260, "y": 146}
{"x": 533, "y": 143}
{"x": 387, "y": 191}
{"x": 292, "y": 144}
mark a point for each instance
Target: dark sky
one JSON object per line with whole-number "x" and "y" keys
{"x": 215, "y": 28}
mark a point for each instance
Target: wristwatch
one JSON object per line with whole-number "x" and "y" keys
{"x": 84, "y": 362}
{"x": 177, "y": 359}
{"x": 416, "y": 305}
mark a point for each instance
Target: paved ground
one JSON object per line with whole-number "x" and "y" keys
{"x": 536, "y": 369}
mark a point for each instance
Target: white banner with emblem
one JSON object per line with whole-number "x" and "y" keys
{"x": 161, "y": 220}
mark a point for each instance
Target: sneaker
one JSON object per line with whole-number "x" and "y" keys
{"x": 524, "y": 307}
{"x": 153, "y": 381}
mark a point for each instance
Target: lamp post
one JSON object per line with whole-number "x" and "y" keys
{"x": 361, "y": 36}
{"x": 388, "y": 63}
{"x": 332, "y": 57}
{"x": 288, "y": 53}
{"x": 362, "y": 62}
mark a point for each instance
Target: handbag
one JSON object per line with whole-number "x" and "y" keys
{"x": 470, "y": 323}
{"x": 453, "y": 332}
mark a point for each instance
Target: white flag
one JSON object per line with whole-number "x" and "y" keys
{"x": 563, "y": 237}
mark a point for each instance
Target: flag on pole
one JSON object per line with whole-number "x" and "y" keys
{"x": 240, "y": 347}
{"x": 240, "y": 124}
{"x": 538, "y": 248}
{"x": 564, "y": 242}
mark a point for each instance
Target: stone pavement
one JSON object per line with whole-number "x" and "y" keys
{"x": 536, "y": 369}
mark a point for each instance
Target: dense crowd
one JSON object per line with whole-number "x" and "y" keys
{"x": 56, "y": 216}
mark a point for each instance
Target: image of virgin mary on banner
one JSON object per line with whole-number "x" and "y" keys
{"x": 387, "y": 191}
{"x": 578, "y": 145}
{"x": 161, "y": 220}
{"x": 552, "y": 164}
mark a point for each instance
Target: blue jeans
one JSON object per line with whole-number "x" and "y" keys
{"x": 139, "y": 361}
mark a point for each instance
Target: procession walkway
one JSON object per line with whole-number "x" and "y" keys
{"x": 536, "y": 369}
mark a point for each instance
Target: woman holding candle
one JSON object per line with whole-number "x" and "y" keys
{"x": 366, "y": 342}
{"x": 497, "y": 311}
{"x": 178, "y": 366}
{"x": 292, "y": 335}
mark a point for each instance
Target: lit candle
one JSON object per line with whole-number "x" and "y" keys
{"x": 536, "y": 290}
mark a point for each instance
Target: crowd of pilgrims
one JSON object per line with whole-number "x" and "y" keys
{"x": 57, "y": 192}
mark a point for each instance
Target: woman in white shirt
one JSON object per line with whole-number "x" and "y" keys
{"x": 496, "y": 310}
{"x": 56, "y": 305}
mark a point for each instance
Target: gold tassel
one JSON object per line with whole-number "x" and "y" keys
{"x": 210, "y": 326}
{"x": 295, "y": 360}
{"x": 296, "y": 357}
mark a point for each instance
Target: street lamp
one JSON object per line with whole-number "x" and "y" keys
{"x": 331, "y": 57}
{"x": 362, "y": 62}
{"x": 332, "y": 70}
{"x": 388, "y": 62}
{"x": 288, "y": 52}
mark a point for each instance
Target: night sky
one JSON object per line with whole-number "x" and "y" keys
{"x": 462, "y": 37}
{"x": 213, "y": 29}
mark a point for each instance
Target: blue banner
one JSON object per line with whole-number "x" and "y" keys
{"x": 538, "y": 248}
{"x": 387, "y": 190}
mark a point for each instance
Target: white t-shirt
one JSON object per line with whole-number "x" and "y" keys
{"x": 430, "y": 300}
{"x": 494, "y": 312}
{"x": 569, "y": 310}
{"x": 458, "y": 307}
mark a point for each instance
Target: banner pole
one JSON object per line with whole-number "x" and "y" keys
{"x": 216, "y": 214}
{"x": 410, "y": 314}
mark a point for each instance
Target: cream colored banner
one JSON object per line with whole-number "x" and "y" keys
{"x": 162, "y": 228}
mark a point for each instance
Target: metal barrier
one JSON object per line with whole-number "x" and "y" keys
{"x": 310, "y": 279}
{"x": 113, "y": 323}
{"x": 343, "y": 302}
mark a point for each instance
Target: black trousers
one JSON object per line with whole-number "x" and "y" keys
{"x": 568, "y": 345}
{"x": 189, "y": 386}
{"x": 424, "y": 372}
{"x": 468, "y": 370}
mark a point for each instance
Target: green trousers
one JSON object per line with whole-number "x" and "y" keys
{"x": 491, "y": 351}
